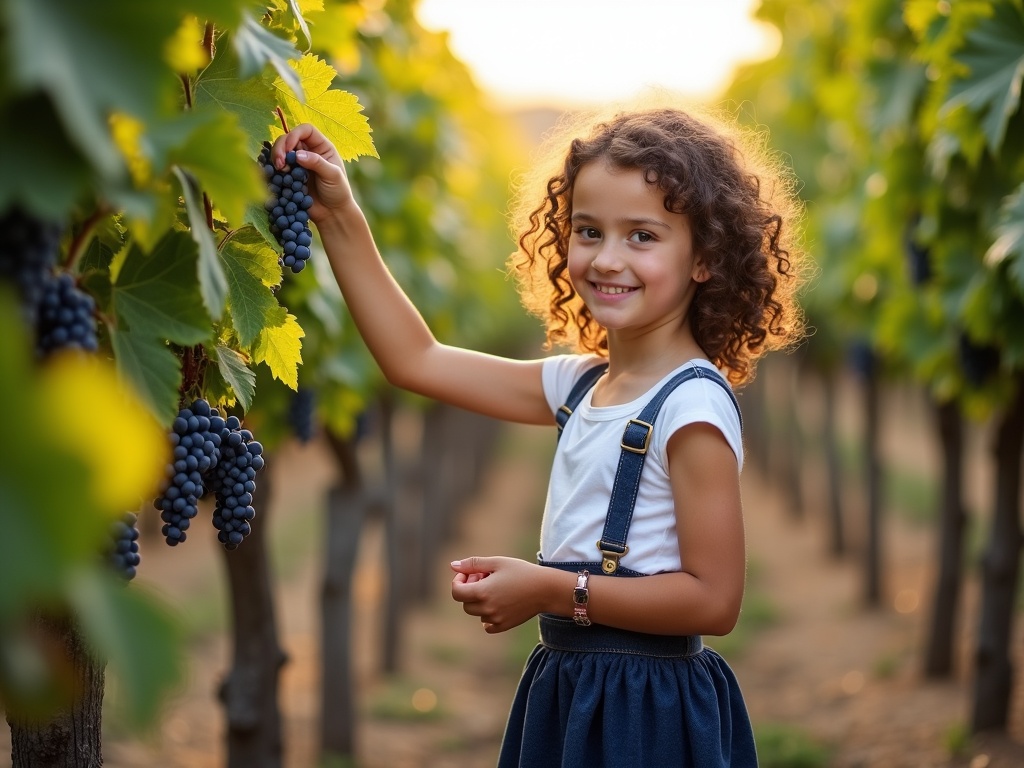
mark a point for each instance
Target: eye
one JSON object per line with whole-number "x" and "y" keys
{"x": 642, "y": 237}
{"x": 588, "y": 233}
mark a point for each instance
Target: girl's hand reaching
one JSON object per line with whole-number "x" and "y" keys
{"x": 503, "y": 591}
{"x": 314, "y": 152}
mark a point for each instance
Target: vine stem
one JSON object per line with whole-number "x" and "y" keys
{"x": 281, "y": 117}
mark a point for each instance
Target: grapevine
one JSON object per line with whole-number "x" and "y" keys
{"x": 287, "y": 208}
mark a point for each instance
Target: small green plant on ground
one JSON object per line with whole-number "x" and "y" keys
{"x": 783, "y": 746}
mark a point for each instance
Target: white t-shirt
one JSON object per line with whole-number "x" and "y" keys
{"x": 588, "y": 454}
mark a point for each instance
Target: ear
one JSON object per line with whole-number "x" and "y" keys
{"x": 700, "y": 272}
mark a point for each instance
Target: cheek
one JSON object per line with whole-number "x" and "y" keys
{"x": 577, "y": 265}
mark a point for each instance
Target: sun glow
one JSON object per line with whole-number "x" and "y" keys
{"x": 568, "y": 53}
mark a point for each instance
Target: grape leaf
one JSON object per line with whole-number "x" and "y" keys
{"x": 335, "y": 112}
{"x": 152, "y": 368}
{"x": 251, "y": 100}
{"x": 257, "y": 46}
{"x": 156, "y": 294}
{"x": 994, "y": 54}
{"x": 250, "y": 266}
{"x": 216, "y": 153}
{"x": 1010, "y": 237}
{"x": 301, "y": 22}
{"x": 212, "y": 281}
{"x": 235, "y": 372}
{"x": 281, "y": 349}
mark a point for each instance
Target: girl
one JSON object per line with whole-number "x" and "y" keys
{"x": 655, "y": 248}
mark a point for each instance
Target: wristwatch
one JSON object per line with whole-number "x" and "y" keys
{"x": 580, "y": 598}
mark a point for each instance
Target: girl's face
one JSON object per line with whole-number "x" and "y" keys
{"x": 630, "y": 260}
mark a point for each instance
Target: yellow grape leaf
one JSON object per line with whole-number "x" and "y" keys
{"x": 279, "y": 347}
{"x": 184, "y": 51}
{"x": 338, "y": 114}
{"x": 126, "y": 457}
{"x": 127, "y": 133}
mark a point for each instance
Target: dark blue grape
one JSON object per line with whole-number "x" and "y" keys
{"x": 301, "y": 414}
{"x": 124, "y": 546}
{"x": 28, "y": 253}
{"x": 196, "y": 435}
{"x": 289, "y": 200}
{"x": 65, "y": 317}
{"x": 240, "y": 458}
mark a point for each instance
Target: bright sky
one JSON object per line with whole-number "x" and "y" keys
{"x": 573, "y": 52}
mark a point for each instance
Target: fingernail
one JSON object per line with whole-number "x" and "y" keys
{"x": 456, "y": 563}
{"x": 300, "y": 154}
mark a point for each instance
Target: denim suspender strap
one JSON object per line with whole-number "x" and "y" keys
{"x": 579, "y": 389}
{"x": 635, "y": 439}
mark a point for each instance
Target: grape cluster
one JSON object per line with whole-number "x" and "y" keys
{"x": 28, "y": 252}
{"x": 124, "y": 550}
{"x": 195, "y": 439}
{"x": 234, "y": 483}
{"x": 301, "y": 411}
{"x": 210, "y": 452}
{"x": 65, "y": 317}
{"x": 287, "y": 208}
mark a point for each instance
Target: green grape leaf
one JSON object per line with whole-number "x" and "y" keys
{"x": 235, "y": 372}
{"x": 157, "y": 294}
{"x": 63, "y": 47}
{"x": 251, "y": 267}
{"x": 212, "y": 281}
{"x": 994, "y": 56}
{"x": 281, "y": 349}
{"x": 152, "y": 369}
{"x": 335, "y": 112}
{"x": 251, "y": 100}
{"x": 131, "y": 629}
{"x": 257, "y": 46}
{"x": 1010, "y": 237}
{"x": 216, "y": 153}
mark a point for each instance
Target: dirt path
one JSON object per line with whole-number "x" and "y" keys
{"x": 826, "y": 667}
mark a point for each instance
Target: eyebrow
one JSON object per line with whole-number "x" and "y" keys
{"x": 583, "y": 217}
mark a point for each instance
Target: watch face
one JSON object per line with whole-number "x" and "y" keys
{"x": 580, "y": 596}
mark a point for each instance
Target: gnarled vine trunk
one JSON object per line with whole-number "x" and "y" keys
{"x": 249, "y": 691}
{"x": 939, "y": 651}
{"x": 71, "y": 738}
{"x": 993, "y": 682}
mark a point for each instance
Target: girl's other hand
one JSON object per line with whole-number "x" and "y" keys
{"x": 502, "y": 591}
{"x": 330, "y": 189}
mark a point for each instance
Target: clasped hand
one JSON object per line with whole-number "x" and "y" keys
{"x": 503, "y": 592}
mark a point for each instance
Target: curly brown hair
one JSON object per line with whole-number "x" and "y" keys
{"x": 734, "y": 191}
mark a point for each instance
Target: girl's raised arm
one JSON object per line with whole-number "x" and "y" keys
{"x": 393, "y": 329}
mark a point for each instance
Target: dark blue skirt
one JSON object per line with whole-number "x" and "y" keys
{"x": 599, "y": 697}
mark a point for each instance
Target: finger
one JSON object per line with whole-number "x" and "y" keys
{"x": 474, "y": 565}
{"x": 304, "y": 134}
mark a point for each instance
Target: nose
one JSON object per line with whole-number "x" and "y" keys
{"x": 607, "y": 258}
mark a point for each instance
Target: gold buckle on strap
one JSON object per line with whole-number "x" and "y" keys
{"x": 647, "y": 438}
{"x": 610, "y": 559}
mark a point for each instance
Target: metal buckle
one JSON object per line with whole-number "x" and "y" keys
{"x": 610, "y": 559}
{"x": 643, "y": 448}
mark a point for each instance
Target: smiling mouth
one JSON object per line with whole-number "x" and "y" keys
{"x": 612, "y": 290}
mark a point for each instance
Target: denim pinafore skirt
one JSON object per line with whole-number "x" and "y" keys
{"x": 602, "y": 697}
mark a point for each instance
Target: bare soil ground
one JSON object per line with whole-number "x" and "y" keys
{"x": 826, "y": 667}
